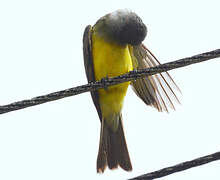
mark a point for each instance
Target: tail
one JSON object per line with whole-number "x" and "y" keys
{"x": 113, "y": 149}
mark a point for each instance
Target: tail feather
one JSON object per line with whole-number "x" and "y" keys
{"x": 112, "y": 154}
{"x": 113, "y": 149}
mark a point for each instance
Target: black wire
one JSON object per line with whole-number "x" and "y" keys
{"x": 179, "y": 167}
{"x": 132, "y": 75}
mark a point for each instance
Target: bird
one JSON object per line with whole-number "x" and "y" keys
{"x": 111, "y": 47}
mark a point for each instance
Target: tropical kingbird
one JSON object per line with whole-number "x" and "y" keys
{"x": 112, "y": 47}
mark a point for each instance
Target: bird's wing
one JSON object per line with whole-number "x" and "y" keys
{"x": 89, "y": 68}
{"x": 157, "y": 90}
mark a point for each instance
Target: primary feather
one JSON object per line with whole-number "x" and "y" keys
{"x": 156, "y": 90}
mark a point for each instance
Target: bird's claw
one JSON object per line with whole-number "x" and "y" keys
{"x": 103, "y": 81}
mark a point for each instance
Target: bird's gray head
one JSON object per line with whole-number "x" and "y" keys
{"x": 122, "y": 26}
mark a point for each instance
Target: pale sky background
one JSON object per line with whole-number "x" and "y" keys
{"x": 41, "y": 52}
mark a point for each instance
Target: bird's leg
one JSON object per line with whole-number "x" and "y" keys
{"x": 103, "y": 81}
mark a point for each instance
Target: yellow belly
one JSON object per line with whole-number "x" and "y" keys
{"x": 110, "y": 59}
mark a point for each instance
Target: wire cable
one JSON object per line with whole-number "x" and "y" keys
{"x": 132, "y": 75}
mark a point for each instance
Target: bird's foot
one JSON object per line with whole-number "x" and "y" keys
{"x": 103, "y": 81}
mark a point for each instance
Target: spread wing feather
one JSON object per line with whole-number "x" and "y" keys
{"x": 157, "y": 90}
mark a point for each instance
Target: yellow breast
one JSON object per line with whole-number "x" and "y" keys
{"x": 110, "y": 59}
